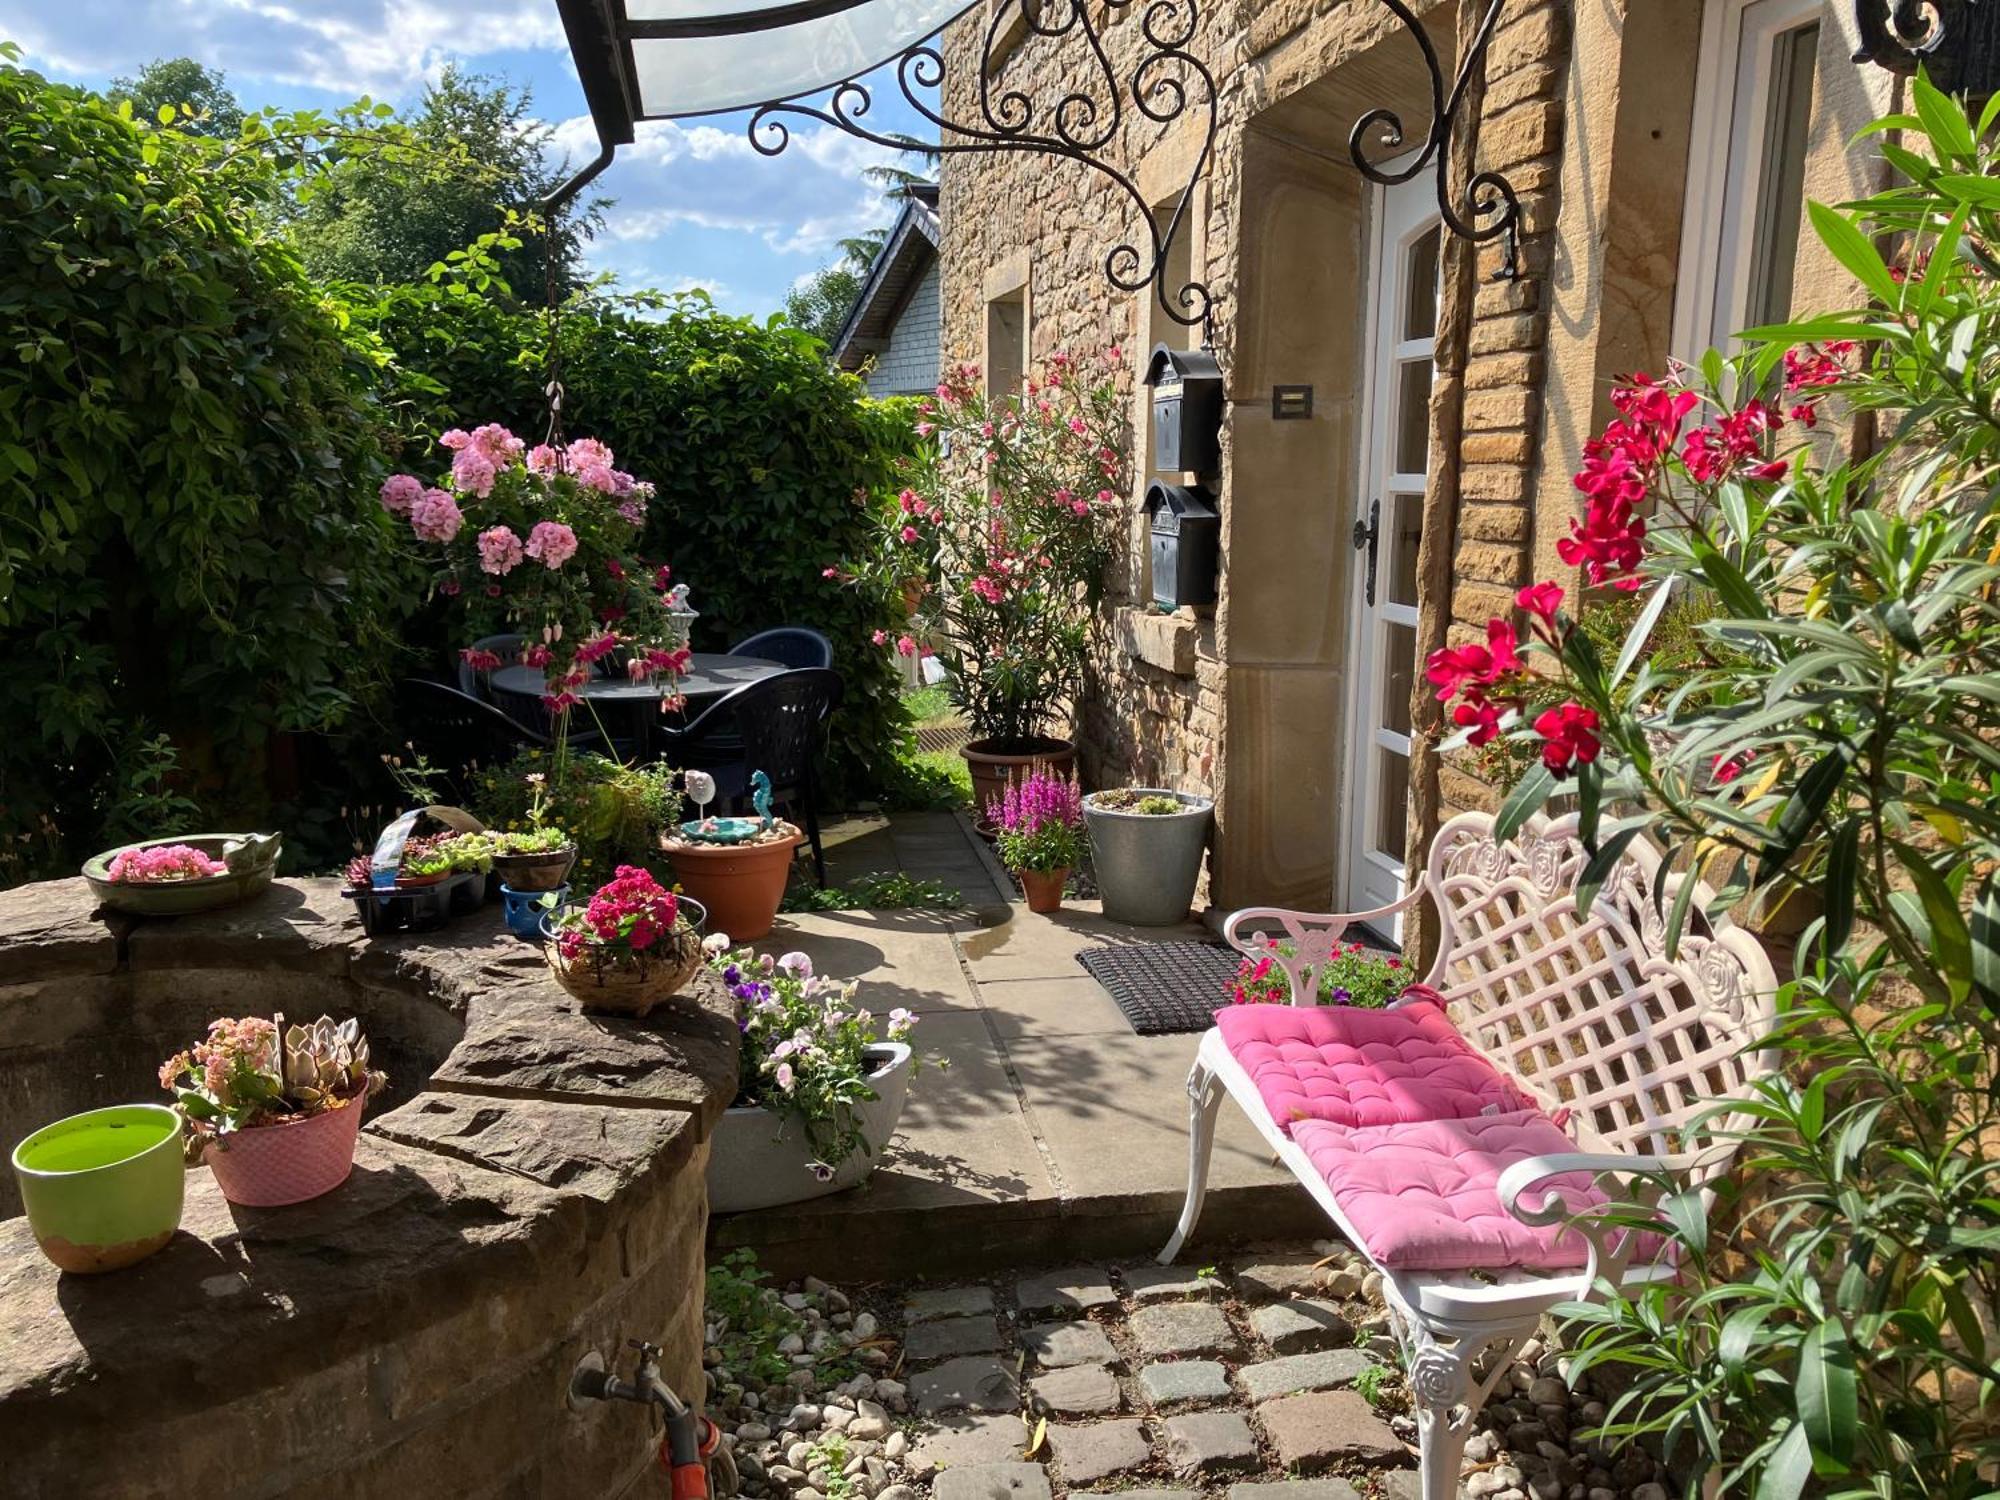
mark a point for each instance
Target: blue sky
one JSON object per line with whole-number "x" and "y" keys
{"x": 695, "y": 205}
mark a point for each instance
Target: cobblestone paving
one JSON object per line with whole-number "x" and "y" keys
{"x": 1196, "y": 1383}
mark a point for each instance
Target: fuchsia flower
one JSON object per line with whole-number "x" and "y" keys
{"x": 436, "y": 517}
{"x": 500, "y": 550}
{"x": 551, "y": 544}
{"x": 400, "y": 492}
{"x": 479, "y": 661}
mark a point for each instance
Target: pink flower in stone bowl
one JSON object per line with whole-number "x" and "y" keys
{"x": 163, "y": 862}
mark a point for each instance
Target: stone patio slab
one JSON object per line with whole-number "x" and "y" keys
{"x": 1079, "y": 1390}
{"x": 901, "y": 958}
{"x": 1302, "y": 1372}
{"x": 1077, "y": 1006}
{"x": 942, "y": 1337}
{"x": 975, "y": 1383}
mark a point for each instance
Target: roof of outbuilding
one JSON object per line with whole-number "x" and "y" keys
{"x": 897, "y": 268}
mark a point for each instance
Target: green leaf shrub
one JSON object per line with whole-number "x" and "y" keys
{"x": 188, "y": 542}
{"x": 768, "y": 465}
{"x": 1834, "y": 737}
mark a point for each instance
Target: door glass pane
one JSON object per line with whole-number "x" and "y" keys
{"x": 1402, "y": 530}
{"x": 1420, "y": 314}
{"x": 1786, "y": 123}
{"x": 1392, "y": 791}
{"x": 1399, "y": 647}
{"x": 1413, "y": 416}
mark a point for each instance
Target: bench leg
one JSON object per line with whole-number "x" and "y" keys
{"x": 1446, "y": 1394}
{"x": 1204, "y": 1099}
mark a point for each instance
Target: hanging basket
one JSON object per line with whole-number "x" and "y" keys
{"x": 628, "y": 984}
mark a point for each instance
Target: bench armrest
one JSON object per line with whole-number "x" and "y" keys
{"x": 1313, "y": 937}
{"x": 1614, "y": 1245}
{"x": 1554, "y": 1208}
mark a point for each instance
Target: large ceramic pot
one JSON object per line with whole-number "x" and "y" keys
{"x": 103, "y": 1189}
{"x": 759, "y": 1160}
{"x": 628, "y": 984}
{"x": 252, "y": 859}
{"x": 740, "y": 885}
{"x": 287, "y": 1161}
{"x": 995, "y": 761}
{"x": 1147, "y": 864}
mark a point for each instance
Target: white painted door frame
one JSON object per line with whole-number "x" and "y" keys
{"x": 1381, "y": 647}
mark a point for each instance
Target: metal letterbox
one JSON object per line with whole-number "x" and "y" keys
{"x": 1187, "y": 410}
{"x": 1187, "y": 533}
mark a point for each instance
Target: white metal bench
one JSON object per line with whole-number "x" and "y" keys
{"x": 1589, "y": 1017}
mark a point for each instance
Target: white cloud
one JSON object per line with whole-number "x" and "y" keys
{"x": 344, "y": 46}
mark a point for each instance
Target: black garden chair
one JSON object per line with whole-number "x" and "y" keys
{"x": 777, "y": 726}
{"x": 473, "y": 683}
{"x": 794, "y": 645}
{"x": 461, "y": 735}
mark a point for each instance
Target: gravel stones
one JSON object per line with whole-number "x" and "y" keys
{"x": 942, "y": 1338}
{"x": 1182, "y": 1328}
{"x": 1100, "y": 1449}
{"x": 1312, "y": 1431}
{"x": 972, "y": 1383}
{"x": 1299, "y": 1326}
{"x": 1055, "y": 1345}
{"x": 1076, "y": 1290}
{"x": 1076, "y": 1390}
{"x": 1201, "y": 1441}
{"x": 1302, "y": 1372}
{"x": 1182, "y": 1381}
{"x": 1011, "y": 1481}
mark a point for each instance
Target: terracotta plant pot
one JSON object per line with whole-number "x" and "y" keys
{"x": 627, "y": 984}
{"x": 1043, "y": 888}
{"x": 103, "y": 1189}
{"x": 269, "y": 1166}
{"x": 740, "y": 885}
{"x": 535, "y": 872}
{"x": 995, "y": 761}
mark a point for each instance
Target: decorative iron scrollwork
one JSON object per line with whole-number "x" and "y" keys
{"x": 1955, "y": 42}
{"x": 1487, "y": 195}
{"x": 1080, "y": 126}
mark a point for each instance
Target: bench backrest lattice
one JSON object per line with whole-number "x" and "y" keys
{"x": 1589, "y": 1014}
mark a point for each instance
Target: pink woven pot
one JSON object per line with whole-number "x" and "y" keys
{"x": 268, "y": 1166}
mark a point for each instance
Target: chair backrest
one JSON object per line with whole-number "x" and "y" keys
{"x": 794, "y": 645}
{"x": 457, "y": 733}
{"x": 1590, "y": 1013}
{"x": 782, "y": 720}
{"x": 472, "y": 683}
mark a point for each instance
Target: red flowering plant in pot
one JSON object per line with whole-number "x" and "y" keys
{"x": 1830, "y": 495}
{"x": 538, "y": 542}
{"x": 632, "y": 945}
{"x": 999, "y": 542}
{"x": 274, "y": 1110}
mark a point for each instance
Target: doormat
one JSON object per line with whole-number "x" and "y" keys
{"x": 1165, "y": 988}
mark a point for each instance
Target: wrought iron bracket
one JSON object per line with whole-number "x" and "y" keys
{"x": 1955, "y": 42}
{"x": 1082, "y": 125}
{"x": 1487, "y": 196}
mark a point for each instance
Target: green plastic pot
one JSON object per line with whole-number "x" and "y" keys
{"x": 103, "y": 1189}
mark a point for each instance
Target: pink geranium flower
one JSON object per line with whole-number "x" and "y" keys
{"x": 551, "y": 544}
{"x": 500, "y": 551}
{"x": 400, "y": 492}
{"x": 473, "y": 473}
{"x": 436, "y": 517}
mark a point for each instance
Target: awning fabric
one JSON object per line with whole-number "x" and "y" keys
{"x": 694, "y": 57}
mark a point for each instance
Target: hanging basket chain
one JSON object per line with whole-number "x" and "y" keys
{"x": 552, "y": 387}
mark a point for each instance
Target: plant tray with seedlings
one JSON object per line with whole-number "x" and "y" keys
{"x": 416, "y": 882}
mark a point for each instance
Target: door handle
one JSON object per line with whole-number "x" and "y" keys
{"x": 1369, "y": 534}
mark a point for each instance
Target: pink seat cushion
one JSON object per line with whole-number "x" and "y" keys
{"x": 1351, "y": 1066}
{"x": 1423, "y": 1197}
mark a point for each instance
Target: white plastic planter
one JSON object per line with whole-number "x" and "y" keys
{"x": 760, "y": 1160}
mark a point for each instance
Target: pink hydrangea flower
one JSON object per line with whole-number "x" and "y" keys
{"x": 551, "y": 544}
{"x": 400, "y": 492}
{"x": 472, "y": 473}
{"x": 500, "y": 550}
{"x": 436, "y": 517}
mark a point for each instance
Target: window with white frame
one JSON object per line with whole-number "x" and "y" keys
{"x": 1746, "y": 169}
{"x": 1007, "y": 345}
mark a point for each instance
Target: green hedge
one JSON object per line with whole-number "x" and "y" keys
{"x": 188, "y": 543}
{"x": 767, "y": 461}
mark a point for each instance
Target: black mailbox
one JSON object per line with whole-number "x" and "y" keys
{"x": 1187, "y": 534}
{"x": 1187, "y": 410}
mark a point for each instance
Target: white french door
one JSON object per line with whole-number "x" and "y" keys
{"x": 1382, "y": 644}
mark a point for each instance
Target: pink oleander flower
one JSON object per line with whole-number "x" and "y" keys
{"x": 1570, "y": 732}
{"x": 500, "y": 551}
{"x": 905, "y": 646}
{"x": 163, "y": 863}
{"x": 436, "y": 517}
{"x": 400, "y": 492}
{"x": 551, "y": 544}
{"x": 473, "y": 473}
{"x": 880, "y": 637}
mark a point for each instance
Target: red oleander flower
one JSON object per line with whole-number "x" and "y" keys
{"x": 1570, "y": 732}
{"x": 1541, "y": 600}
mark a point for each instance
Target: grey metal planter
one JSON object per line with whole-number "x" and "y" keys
{"x": 1147, "y": 863}
{"x": 759, "y": 1160}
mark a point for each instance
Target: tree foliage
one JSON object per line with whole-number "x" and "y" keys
{"x": 198, "y": 98}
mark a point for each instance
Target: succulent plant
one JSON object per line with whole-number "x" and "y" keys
{"x": 326, "y": 1061}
